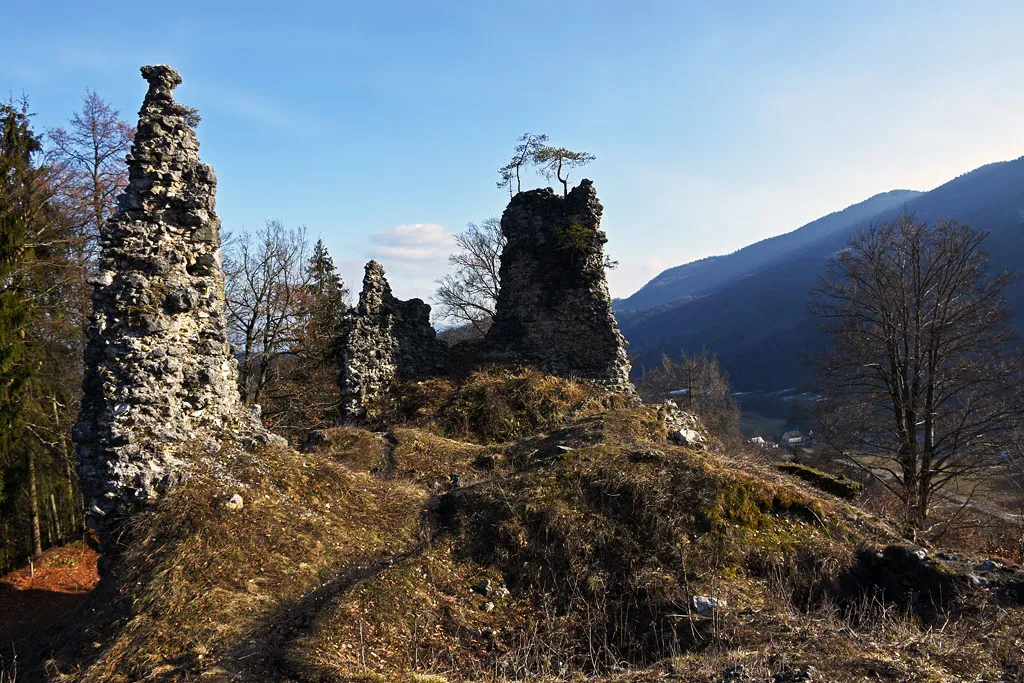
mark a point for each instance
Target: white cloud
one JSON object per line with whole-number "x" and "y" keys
{"x": 417, "y": 246}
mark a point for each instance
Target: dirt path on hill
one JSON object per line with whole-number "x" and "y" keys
{"x": 266, "y": 654}
{"x": 268, "y": 647}
{"x": 388, "y": 459}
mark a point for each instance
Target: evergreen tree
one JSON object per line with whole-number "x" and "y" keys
{"x": 19, "y": 208}
{"x": 328, "y": 297}
{"x": 302, "y": 390}
{"x": 41, "y": 315}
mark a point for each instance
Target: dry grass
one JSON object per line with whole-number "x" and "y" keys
{"x": 357, "y": 562}
{"x": 497, "y": 404}
{"x": 196, "y": 578}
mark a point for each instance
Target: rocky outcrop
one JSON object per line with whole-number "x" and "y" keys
{"x": 386, "y": 339}
{"x": 553, "y": 309}
{"x": 158, "y": 365}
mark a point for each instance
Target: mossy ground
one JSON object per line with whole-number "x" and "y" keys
{"x": 362, "y": 561}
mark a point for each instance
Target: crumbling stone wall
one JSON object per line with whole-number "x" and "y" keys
{"x": 158, "y": 365}
{"x": 553, "y": 309}
{"x": 386, "y": 339}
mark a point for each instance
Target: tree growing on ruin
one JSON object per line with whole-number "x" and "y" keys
{"x": 556, "y": 162}
{"x": 698, "y": 385}
{"x": 921, "y": 382}
{"x": 523, "y": 156}
{"x": 468, "y": 295}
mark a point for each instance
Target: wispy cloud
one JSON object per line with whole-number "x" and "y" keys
{"x": 258, "y": 109}
{"x": 418, "y": 246}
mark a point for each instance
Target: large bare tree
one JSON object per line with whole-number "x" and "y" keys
{"x": 467, "y": 295}
{"x": 88, "y": 159}
{"x": 920, "y": 376}
{"x": 266, "y": 281}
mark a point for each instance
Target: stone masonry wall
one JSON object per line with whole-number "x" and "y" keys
{"x": 159, "y": 368}
{"x": 387, "y": 339}
{"x": 553, "y": 309}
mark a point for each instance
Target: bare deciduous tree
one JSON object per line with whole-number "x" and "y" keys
{"x": 699, "y": 386}
{"x": 920, "y": 377}
{"x": 266, "y": 278}
{"x": 88, "y": 160}
{"x": 468, "y": 295}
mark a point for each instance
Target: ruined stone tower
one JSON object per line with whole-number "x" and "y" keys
{"x": 553, "y": 309}
{"x": 158, "y": 365}
{"x": 387, "y": 339}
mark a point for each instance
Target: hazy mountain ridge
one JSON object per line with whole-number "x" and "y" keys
{"x": 708, "y": 274}
{"x": 757, "y": 321}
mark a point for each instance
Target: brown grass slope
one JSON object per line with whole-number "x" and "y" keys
{"x": 513, "y": 526}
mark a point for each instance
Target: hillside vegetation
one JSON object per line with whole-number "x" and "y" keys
{"x": 514, "y": 526}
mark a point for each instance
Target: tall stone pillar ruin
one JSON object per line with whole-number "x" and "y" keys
{"x": 387, "y": 339}
{"x": 158, "y": 366}
{"x": 554, "y": 310}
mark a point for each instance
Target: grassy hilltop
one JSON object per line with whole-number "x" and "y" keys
{"x": 514, "y": 525}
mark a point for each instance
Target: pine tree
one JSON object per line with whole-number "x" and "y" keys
{"x": 19, "y": 209}
{"x": 328, "y": 306}
{"x": 306, "y": 395}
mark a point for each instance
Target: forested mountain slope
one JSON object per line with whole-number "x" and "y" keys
{"x": 758, "y": 322}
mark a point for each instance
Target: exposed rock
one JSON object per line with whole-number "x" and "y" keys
{"x": 553, "y": 452}
{"x": 553, "y": 309}
{"x": 387, "y": 339}
{"x": 688, "y": 437}
{"x": 158, "y": 365}
{"x": 703, "y": 603}
{"x": 647, "y": 456}
{"x": 988, "y": 566}
{"x": 315, "y": 439}
{"x": 683, "y": 428}
{"x": 234, "y": 503}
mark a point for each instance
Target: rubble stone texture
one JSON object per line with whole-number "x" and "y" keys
{"x": 553, "y": 309}
{"x": 387, "y": 339}
{"x": 159, "y": 368}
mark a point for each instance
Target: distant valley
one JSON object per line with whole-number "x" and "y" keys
{"x": 750, "y": 307}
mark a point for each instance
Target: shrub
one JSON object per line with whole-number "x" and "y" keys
{"x": 837, "y": 486}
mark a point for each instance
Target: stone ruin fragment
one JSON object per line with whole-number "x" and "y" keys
{"x": 553, "y": 309}
{"x": 387, "y": 339}
{"x": 158, "y": 366}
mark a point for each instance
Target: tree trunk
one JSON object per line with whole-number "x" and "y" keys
{"x": 33, "y": 502}
{"x": 58, "y": 529}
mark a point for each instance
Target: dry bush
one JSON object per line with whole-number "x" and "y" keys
{"x": 497, "y": 404}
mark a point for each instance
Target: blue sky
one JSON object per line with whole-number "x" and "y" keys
{"x": 380, "y": 125}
